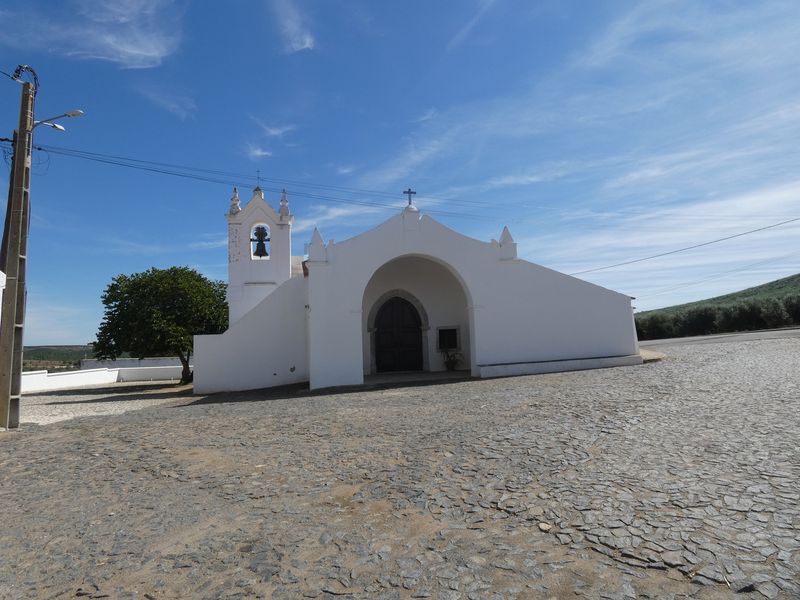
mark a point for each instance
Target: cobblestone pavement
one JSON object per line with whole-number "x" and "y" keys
{"x": 44, "y": 408}
{"x": 673, "y": 479}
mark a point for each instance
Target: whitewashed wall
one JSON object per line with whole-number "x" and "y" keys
{"x": 251, "y": 280}
{"x": 518, "y": 312}
{"x": 121, "y": 363}
{"x": 42, "y": 381}
{"x": 151, "y": 373}
{"x": 514, "y": 316}
{"x": 265, "y": 347}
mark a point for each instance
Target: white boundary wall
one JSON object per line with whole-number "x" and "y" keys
{"x": 161, "y": 361}
{"x": 42, "y": 381}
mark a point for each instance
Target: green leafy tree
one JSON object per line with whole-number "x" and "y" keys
{"x": 774, "y": 314}
{"x": 655, "y": 326}
{"x": 745, "y": 316}
{"x": 157, "y": 312}
{"x": 699, "y": 320}
{"x": 792, "y": 306}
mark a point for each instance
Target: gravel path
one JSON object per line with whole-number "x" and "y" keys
{"x": 673, "y": 479}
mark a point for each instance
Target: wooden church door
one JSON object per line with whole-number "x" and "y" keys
{"x": 398, "y": 337}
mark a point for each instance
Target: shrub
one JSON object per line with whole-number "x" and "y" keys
{"x": 700, "y": 320}
{"x": 773, "y": 313}
{"x": 655, "y": 327}
{"x": 791, "y": 304}
{"x": 641, "y": 332}
{"x": 743, "y": 316}
{"x": 746, "y": 315}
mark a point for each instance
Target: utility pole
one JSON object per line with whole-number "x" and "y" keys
{"x": 13, "y": 256}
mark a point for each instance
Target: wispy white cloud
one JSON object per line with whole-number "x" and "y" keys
{"x": 620, "y": 35}
{"x": 131, "y": 247}
{"x": 532, "y": 175}
{"x": 642, "y": 233}
{"x": 182, "y": 106}
{"x": 322, "y": 216}
{"x": 731, "y": 37}
{"x": 417, "y": 153}
{"x": 345, "y": 169}
{"x": 134, "y": 34}
{"x": 255, "y": 152}
{"x": 461, "y": 35}
{"x": 426, "y": 116}
{"x": 209, "y": 244}
{"x": 277, "y": 131}
{"x": 273, "y": 131}
{"x": 690, "y": 114}
{"x": 293, "y": 26}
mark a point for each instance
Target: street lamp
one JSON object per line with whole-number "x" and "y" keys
{"x": 49, "y": 121}
{"x": 14, "y": 251}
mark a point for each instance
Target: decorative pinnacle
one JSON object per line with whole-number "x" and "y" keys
{"x": 235, "y": 204}
{"x": 505, "y": 236}
{"x": 284, "y": 209}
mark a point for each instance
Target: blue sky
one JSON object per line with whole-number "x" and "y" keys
{"x": 599, "y": 132}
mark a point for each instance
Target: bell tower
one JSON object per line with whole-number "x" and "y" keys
{"x": 259, "y": 251}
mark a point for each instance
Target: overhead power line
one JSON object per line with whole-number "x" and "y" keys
{"x": 718, "y": 275}
{"x": 232, "y": 179}
{"x": 692, "y": 247}
{"x": 240, "y": 176}
{"x": 226, "y": 179}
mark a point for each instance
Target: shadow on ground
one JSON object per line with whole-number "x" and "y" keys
{"x": 301, "y": 390}
{"x": 154, "y": 391}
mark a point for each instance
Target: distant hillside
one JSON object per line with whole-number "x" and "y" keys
{"x": 778, "y": 289}
{"x": 767, "y": 306}
{"x": 54, "y": 358}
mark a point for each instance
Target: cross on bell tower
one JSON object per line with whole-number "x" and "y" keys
{"x": 409, "y": 192}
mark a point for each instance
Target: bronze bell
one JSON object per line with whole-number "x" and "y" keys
{"x": 260, "y": 239}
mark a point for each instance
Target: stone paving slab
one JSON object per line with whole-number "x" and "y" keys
{"x": 674, "y": 479}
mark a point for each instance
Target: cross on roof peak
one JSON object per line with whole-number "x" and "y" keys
{"x": 409, "y": 192}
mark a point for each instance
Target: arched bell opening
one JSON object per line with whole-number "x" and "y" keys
{"x": 260, "y": 242}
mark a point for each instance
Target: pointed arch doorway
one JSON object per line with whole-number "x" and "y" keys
{"x": 398, "y": 337}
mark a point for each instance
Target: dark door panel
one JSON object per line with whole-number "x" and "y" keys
{"x": 398, "y": 337}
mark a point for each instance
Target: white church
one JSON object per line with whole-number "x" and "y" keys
{"x": 402, "y": 297}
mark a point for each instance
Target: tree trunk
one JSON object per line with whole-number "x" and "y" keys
{"x": 186, "y": 373}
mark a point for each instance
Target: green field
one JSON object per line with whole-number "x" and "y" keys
{"x": 768, "y": 306}
{"x": 54, "y": 358}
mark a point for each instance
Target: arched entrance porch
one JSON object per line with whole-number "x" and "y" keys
{"x": 426, "y": 307}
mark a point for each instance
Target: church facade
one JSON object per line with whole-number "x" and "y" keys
{"x": 409, "y": 295}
